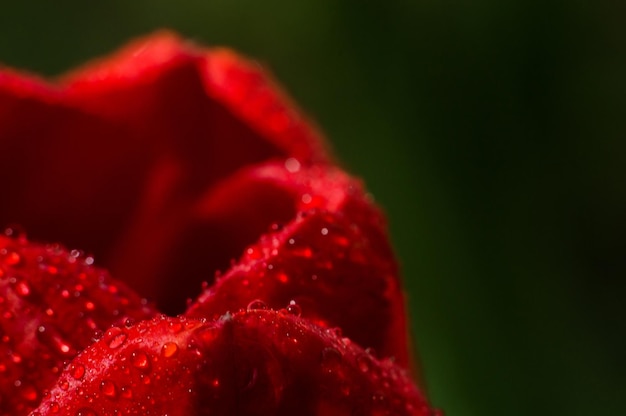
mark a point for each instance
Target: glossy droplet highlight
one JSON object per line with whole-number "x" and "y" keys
{"x": 169, "y": 349}
{"x": 140, "y": 360}
{"x": 294, "y": 309}
{"x": 77, "y": 371}
{"x": 108, "y": 389}
{"x": 115, "y": 337}
{"x": 127, "y": 392}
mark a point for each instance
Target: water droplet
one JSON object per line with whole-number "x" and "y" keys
{"x": 169, "y": 349}
{"x": 108, "y": 389}
{"x": 127, "y": 392}
{"x": 292, "y": 165}
{"x": 324, "y": 231}
{"x": 256, "y": 305}
{"x": 175, "y": 327}
{"x": 54, "y": 407}
{"x": 77, "y": 371}
{"x": 115, "y": 337}
{"x": 140, "y": 360}
{"x": 294, "y": 309}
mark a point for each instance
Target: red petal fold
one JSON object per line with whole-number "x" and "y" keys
{"x": 332, "y": 259}
{"x": 254, "y": 362}
{"x": 180, "y": 94}
{"x": 158, "y": 118}
{"x": 52, "y": 302}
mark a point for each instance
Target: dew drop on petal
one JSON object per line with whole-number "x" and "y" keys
{"x": 256, "y": 304}
{"x": 115, "y": 337}
{"x": 108, "y": 389}
{"x": 140, "y": 360}
{"x": 127, "y": 392}
{"x": 54, "y": 408}
{"x": 169, "y": 349}
{"x": 175, "y": 327}
{"x": 77, "y": 371}
{"x": 294, "y": 309}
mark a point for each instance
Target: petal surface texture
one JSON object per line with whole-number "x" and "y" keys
{"x": 52, "y": 304}
{"x": 255, "y": 362}
{"x": 206, "y": 193}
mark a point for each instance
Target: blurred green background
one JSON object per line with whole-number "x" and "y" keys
{"x": 493, "y": 133}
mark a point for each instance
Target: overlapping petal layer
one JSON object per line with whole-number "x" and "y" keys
{"x": 255, "y": 362}
{"x": 167, "y": 162}
{"x": 52, "y": 304}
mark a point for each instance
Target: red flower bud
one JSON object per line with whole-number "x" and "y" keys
{"x": 194, "y": 180}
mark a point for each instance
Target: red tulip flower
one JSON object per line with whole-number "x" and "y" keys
{"x": 194, "y": 181}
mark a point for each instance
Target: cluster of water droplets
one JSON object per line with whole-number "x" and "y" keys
{"x": 133, "y": 364}
{"x": 52, "y": 305}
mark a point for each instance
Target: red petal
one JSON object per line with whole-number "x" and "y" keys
{"x": 194, "y": 100}
{"x": 333, "y": 259}
{"x": 52, "y": 302}
{"x": 158, "y": 118}
{"x": 251, "y": 363}
{"x": 294, "y": 367}
{"x": 150, "y": 368}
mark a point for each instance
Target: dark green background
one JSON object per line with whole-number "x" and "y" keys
{"x": 493, "y": 134}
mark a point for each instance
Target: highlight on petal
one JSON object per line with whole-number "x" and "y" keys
{"x": 332, "y": 259}
{"x": 168, "y": 161}
{"x": 52, "y": 304}
{"x": 172, "y": 89}
{"x": 166, "y": 121}
{"x": 254, "y": 362}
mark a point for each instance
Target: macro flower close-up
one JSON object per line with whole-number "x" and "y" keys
{"x": 180, "y": 240}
